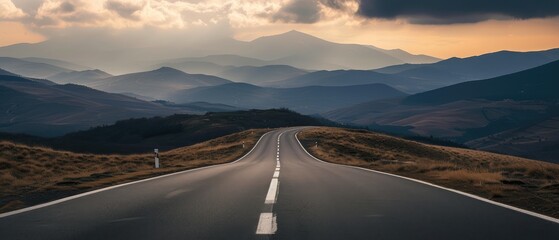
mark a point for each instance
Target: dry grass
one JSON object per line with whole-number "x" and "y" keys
{"x": 520, "y": 182}
{"x": 31, "y": 175}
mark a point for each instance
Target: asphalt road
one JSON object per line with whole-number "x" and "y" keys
{"x": 259, "y": 198}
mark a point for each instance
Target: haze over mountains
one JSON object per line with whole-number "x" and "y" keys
{"x": 307, "y": 100}
{"x": 291, "y": 48}
{"x": 456, "y": 70}
{"x": 516, "y": 113}
{"x": 33, "y": 107}
{"x": 512, "y": 109}
{"x": 156, "y": 84}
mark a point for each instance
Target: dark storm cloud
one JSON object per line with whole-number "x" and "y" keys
{"x": 335, "y": 4}
{"x": 306, "y": 11}
{"x": 67, "y": 7}
{"x": 125, "y": 10}
{"x": 461, "y": 11}
{"x": 299, "y": 11}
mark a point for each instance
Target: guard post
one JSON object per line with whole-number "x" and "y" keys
{"x": 156, "y": 151}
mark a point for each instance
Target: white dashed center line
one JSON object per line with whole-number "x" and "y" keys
{"x": 267, "y": 224}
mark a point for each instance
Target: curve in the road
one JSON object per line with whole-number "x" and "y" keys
{"x": 317, "y": 201}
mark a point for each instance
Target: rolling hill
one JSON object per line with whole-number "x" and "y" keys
{"x": 538, "y": 83}
{"x": 262, "y": 75}
{"x": 33, "y": 107}
{"x": 157, "y": 84}
{"x": 218, "y": 60}
{"x": 57, "y": 63}
{"x": 6, "y": 73}
{"x": 416, "y": 78}
{"x": 515, "y": 113}
{"x": 355, "y": 77}
{"x": 456, "y": 70}
{"x": 30, "y": 69}
{"x": 141, "y": 135}
{"x": 305, "y": 100}
{"x": 84, "y": 77}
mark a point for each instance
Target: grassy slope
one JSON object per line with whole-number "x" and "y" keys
{"x": 32, "y": 175}
{"x": 520, "y": 182}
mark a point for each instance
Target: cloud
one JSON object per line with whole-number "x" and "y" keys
{"x": 463, "y": 11}
{"x": 55, "y": 13}
{"x": 123, "y": 9}
{"x": 8, "y": 11}
{"x": 298, "y": 11}
{"x": 67, "y": 7}
{"x": 308, "y": 11}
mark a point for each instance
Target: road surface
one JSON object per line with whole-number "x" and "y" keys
{"x": 259, "y": 198}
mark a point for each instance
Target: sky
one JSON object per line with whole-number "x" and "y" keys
{"x": 440, "y": 28}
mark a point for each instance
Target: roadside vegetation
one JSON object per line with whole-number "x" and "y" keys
{"x": 520, "y": 182}
{"x": 33, "y": 175}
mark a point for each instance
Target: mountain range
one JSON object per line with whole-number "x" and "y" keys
{"x": 516, "y": 113}
{"x": 157, "y": 84}
{"x": 30, "y": 69}
{"x": 456, "y": 70}
{"x": 306, "y": 100}
{"x": 35, "y": 107}
{"x": 292, "y": 48}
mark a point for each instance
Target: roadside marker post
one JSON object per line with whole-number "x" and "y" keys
{"x": 243, "y": 144}
{"x": 156, "y": 151}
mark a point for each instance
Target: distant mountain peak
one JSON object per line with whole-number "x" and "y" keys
{"x": 168, "y": 70}
{"x": 290, "y": 36}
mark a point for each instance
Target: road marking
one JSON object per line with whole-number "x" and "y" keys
{"x": 267, "y": 224}
{"x": 124, "y": 184}
{"x": 533, "y": 214}
{"x": 272, "y": 192}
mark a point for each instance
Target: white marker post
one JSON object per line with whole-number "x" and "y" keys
{"x": 243, "y": 144}
{"x": 156, "y": 151}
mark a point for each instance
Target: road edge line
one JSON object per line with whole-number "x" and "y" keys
{"x": 42, "y": 205}
{"x": 527, "y": 212}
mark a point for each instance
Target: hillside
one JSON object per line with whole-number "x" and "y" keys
{"x": 57, "y": 63}
{"x": 538, "y": 83}
{"x": 513, "y": 114}
{"x": 143, "y": 134}
{"x": 30, "y": 69}
{"x": 34, "y": 175}
{"x": 306, "y": 100}
{"x": 156, "y": 84}
{"x": 79, "y": 77}
{"x": 6, "y": 73}
{"x": 221, "y": 60}
{"x": 262, "y": 75}
{"x": 457, "y": 70}
{"x": 49, "y": 110}
{"x": 355, "y": 77}
{"x": 520, "y": 182}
